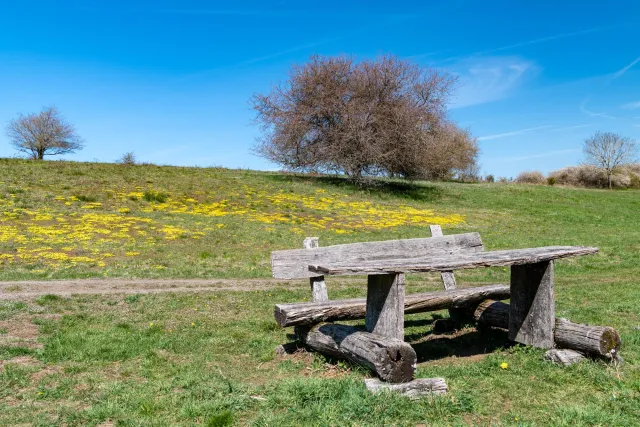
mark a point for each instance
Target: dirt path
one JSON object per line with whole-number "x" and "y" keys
{"x": 30, "y": 289}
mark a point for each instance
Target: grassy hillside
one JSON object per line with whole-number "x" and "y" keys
{"x": 72, "y": 220}
{"x": 207, "y": 358}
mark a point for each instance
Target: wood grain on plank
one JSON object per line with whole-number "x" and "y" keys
{"x": 532, "y": 305}
{"x": 318, "y": 286}
{"x": 384, "y": 314}
{"x": 294, "y": 263}
{"x": 448, "y": 279}
{"x": 453, "y": 262}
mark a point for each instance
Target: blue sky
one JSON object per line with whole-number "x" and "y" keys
{"x": 171, "y": 80}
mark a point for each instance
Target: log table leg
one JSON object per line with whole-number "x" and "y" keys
{"x": 385, "y": 305}
{"x": 532, "y": 308}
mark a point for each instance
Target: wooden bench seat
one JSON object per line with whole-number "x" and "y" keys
{"x": 310, "y": 313}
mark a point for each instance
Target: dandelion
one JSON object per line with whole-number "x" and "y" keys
{"x": 504, "y": 365}
{"x": 193, "y": 324}
{"x": 150, "y": 324}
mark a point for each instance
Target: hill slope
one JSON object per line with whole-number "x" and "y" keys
{"x": 73, "y": 220}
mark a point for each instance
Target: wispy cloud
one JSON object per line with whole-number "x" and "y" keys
{"x": 519, "y": 44}
{"x": 538, "y": 40}
{"x": 538, "y": 155}
{"x": 512, "y": 133}
{"x": 623, "y": 70}
{"x": 571, "y": 127}
{"x": 583, "y": 108}
{"x": 489, "y": 79}
{"x": 288, "y": 51}
{"x": 631, "y": 105}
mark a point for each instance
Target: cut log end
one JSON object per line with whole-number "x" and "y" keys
{"x": 415, "y": 389}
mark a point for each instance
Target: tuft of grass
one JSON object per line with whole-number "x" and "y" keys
{"x": 130, "y": 299}
{"x": 154, "y": 196}
{"x": 86, "y": 198}
{"x": 223, "y": 419}
{"x": 49, "y": 298}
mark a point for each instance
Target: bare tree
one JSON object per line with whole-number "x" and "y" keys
{"x": 382, "y": 117}
{"x": 609, "y": 151}
{"x": 45, "y": 133}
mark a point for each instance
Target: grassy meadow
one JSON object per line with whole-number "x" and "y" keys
{"x": 207, "y": 358}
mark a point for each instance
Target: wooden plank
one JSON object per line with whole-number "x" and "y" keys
{"x": 414, "y": 389}
{"x": 318, "y": 286}
{"x": 532, "y": 305}
{"x": 565, "y": 357}
{"x": 448, "y": 279}
{"x": 310, "y": 313}
{"x": 391, "y": 359}
{"x": 294, "y": 263}
{"x": 385, "y": 305}
{"x": 454, "y": 262}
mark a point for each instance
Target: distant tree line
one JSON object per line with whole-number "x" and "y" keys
{"x": 383, "y": 117}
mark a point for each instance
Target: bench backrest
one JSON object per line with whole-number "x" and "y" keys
{"x": 294, "y": 263}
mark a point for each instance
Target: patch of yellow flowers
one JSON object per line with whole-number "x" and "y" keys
{"x": 68, "y": 231}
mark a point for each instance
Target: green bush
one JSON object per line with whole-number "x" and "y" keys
{"x": 551, "y": 180}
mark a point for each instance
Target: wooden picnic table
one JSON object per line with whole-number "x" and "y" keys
{"x": 532, "y": 307}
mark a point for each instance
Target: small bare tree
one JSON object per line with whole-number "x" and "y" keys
{"x": 45, "y": 133}
{"x": 609, "y": 151}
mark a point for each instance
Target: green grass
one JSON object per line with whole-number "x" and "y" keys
{"x": 156, "y": 360}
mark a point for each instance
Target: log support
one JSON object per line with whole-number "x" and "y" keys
{"x": 391, "y": 359}
{"x": 532, "y": 313}
{"x": 318, "y": 286}
{"x": 385, "y": 305}
{"x": 601, "y": 341}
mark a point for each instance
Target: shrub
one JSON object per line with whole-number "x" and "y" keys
{"x": 490, "y": 178}
{"x": 530, "y": 177}
{"x": 128, "y": 159}
{"x": 551, "y": 180}
{"x": 591, "y": 177}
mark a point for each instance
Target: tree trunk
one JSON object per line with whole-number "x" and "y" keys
{"x": 609, "y": 180}
{"x": 391, "y": 359}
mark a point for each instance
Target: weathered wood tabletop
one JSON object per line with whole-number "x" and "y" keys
{"x": 532, "y": 307}
{"x": 454, "y": 262}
